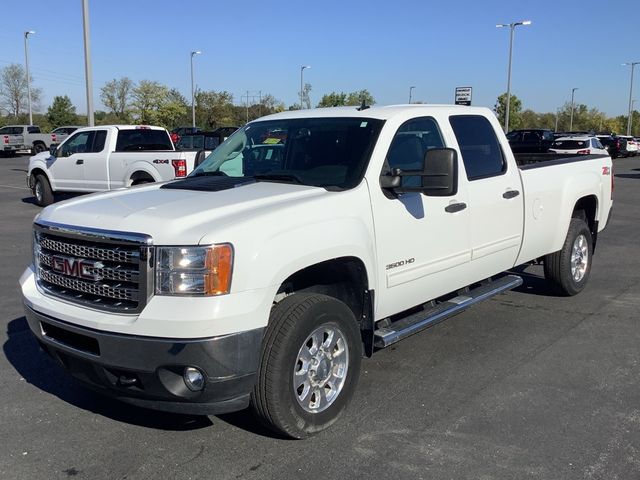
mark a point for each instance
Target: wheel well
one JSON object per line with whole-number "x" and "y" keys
{"x": 586, "y": 209}
{"x": 32, "y": 176}
{"x": 140, "y": 177}
{"x": 39, "y": 142}
{"x": 344, "y": 278}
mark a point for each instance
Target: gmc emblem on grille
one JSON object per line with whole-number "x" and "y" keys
{"x": 76, "y": 267}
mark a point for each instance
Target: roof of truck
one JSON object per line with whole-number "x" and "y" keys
{"x": 379, "y": 112}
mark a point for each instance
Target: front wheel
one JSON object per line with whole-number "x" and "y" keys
{"x": 42, "y": 190}
{"x": 568, "y": 270}
{"x": 310, "y": 365}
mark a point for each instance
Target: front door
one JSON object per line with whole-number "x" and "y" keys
{"x": 422, "y": 243}
{"x": 67, "y": 167}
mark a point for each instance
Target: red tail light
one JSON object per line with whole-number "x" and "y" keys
{"x": 180, "y": 167}
{"x": 54, "y": 139}
{"x": 6, "y": 139}
{"x": 584, "y": 152}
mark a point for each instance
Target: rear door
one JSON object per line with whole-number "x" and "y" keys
{"x": 495, "y": 196}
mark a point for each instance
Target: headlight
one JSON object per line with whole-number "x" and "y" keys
{"x": 194, "y": 271}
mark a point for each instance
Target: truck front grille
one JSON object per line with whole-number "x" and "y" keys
{"x": 102, "y": 269}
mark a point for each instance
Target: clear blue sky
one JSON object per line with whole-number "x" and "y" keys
{"x": 384, "y": 46}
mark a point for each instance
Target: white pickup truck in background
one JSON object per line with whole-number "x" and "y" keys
{"x": 95, "y": 159}
{"x": 304, "y": 242}
{"x": 15, "y": 138}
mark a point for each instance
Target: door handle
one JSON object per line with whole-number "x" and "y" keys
{"x": 455, "y": 207}
{"x": 79, "y": 161}
{"x": 510, "y": 194}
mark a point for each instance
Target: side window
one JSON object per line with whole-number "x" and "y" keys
{"x": 481, "y": 152}
{"x": 531, "y": 137}
{"x": 33, "y": 129}
{"x": 79, "y": 143}
{"x": 99, "y": 140}
{"x": 411, "y": 142}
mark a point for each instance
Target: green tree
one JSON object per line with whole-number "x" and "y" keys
{"x": 515, "y": 106}
{"x": 116, "y": 96}
{"x": 61, "y": 112}
{"x": 148, "y": 99}
{"x": 13, "y": 91}
{"x": 335, "y": 99}
{"x": 215, "y": 109}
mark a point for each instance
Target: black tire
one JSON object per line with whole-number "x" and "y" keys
{"x": 292, "y": 321}
{"x": 42, "y": 190}
{"x": 38, "y": 148}
{"x": 558, "y": 266}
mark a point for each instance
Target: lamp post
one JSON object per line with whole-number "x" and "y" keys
{"x": 573, "y": 91}
{"x": 193, "y": 94}
{"x": 512, "y": 27}
{"x": 87, "y": 62}
{"x": 26, "y": 63}
{"x": 302, "y": 67}
{"x": 633, "y": 102}
{"x": 410, "y": 92}
{"x": 633, "y": 66}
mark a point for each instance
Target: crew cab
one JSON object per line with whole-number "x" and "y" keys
{"x": 95, "y": 159}
{"x": 17, "y": 138}
{"x": 306, "y": 241}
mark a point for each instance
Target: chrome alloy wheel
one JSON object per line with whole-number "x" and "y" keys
{"x": 579, "y": 258}
{"x": 38, "y": 191}
{"x": 321, "y": 368}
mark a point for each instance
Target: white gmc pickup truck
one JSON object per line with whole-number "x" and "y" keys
{"x": 95, "y": 159}
{"x": 306, "y": 241}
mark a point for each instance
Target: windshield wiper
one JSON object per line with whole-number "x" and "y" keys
{"x": 283, "y": 177}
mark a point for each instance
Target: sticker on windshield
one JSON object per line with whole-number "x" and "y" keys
{"x": 363, "y": 124}
{"x": 271, "y": 141}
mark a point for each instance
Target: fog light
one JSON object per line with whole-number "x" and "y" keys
{"x": 193, "y": 379}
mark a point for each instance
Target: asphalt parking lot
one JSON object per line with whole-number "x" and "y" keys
{"x": 524, "y": 386}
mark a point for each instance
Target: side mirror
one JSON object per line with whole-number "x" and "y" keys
{"x": 438, "y": 177}
{"x": 440, "y": 172}
{"x": 53, "y": 149}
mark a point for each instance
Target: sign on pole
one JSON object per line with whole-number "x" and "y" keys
{"x": 463, "y": 96}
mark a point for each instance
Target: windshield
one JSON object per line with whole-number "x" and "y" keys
{"x": 323, "y": 152}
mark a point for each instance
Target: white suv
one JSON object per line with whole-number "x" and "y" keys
{"x": 584, "y": 145}
{"x": 632, "y": 145}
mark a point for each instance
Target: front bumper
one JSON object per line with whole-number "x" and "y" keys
{"x": 147, "y": 371}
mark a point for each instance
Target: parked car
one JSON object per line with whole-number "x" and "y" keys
{"x": 177, "y": 132}
{"x": 226, "y": 289}
{"x": 632, "y": 145}
{"x": 65, "y": 130}
{"x": 581, "y": 145}
{"x": 202, "y": 140}
{"x": 615, "y": 145}
{"x": 530, "y": 140}
{"x": 95, "y": 159}
{"x": 17, "y": 138}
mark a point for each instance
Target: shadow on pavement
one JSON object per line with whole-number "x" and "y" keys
{"x": 38, "y": 369}
{"x": 532, "y": 283}
{"x": 628, "y": 175}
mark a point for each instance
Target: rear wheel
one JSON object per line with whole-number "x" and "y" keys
{"x": 38, "y": 148}
{"x": 42, "y": 190}
{"x": 568, "y": 270}
{"x": 310, "y": 365}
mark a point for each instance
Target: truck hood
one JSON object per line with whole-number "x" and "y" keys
{"x": 171, "y": 215}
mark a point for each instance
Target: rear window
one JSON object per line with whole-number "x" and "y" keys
{"x": 143, "y": 139}
{"x": 11, "y": 130}
{"x": 570, "y": 144}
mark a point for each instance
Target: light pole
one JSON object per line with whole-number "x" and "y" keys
{"x": 193, "y": 94}
{"x": 302, "y": 67}
{"x": 87, "y": 62}
{"x": 26, "y": 63}
{"x": 557, "y": 115}
{"x": 633, "y": 102}
{"x": 512, "y": 27}
{"x": 410, "y": 92}
{"x": 573, "y": 91}
{"x": 633, "y": 66}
